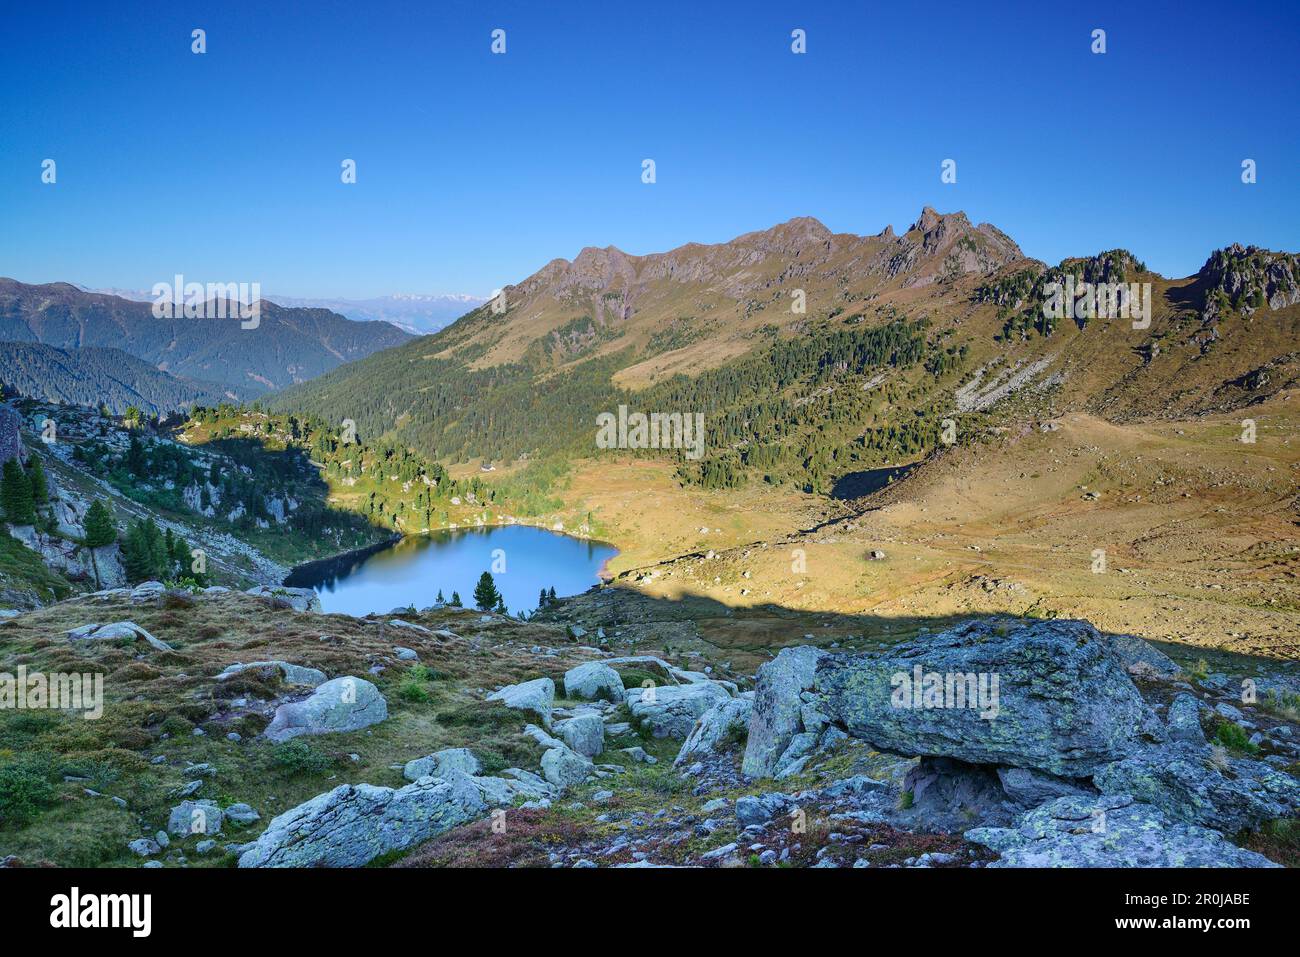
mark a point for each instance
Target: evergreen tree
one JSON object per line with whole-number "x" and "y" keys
{"x": 550, "y": 596}
{"x": 135, "y": 458}
{"x": 36, "y": 475}
{"x": 541, "y": 599}
{"x": 16, "y": 495}
{"x": 455, "y": 600}
{"x": 440, "y": 600}
{"x": 100, "y": 528}
{"x": 486, "y": 596}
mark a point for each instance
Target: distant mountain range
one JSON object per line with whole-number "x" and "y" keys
{"x": 289, "y": 345}
{"x": 96, "y": 376}
{"x": 811, "y": 352}
{"x": 414, "y": 313}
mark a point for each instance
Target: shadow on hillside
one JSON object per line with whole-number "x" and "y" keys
{"x": 750, "y": 635}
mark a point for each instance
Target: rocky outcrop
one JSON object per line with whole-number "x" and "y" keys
{"x": 778, "y": 707}
{"x": 344, "y": 704}
{"x": 117, "y": 631}
{"x": 1109, "y": 831}
{"x": 299, "y": 599}
{"x": 1049, "y": 695}
{"x": 725, "y": 719}
{"x": 355, "y": 823}
{"x": 1194, "y": 784}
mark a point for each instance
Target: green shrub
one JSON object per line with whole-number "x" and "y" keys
{"x": 24, "y": 790}
{"x": 1234, "y": 738}
{"x": 299, "y": 757}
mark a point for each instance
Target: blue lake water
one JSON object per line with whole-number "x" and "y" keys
{"x": 413, "y": 569}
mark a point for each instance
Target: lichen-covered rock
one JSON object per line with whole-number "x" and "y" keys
{"x": 670, "y": 711}
{"x": 120, "y": 630}
{"x": 585, "y": 734}
{"x": 592, "y": 680}
{"x": 1190, "y": 783}
{"x": 1109, "y": 831}
{"x": 355, "y": 823}
{"x": 289, "y": 673}
{"x": 537, "y": 696}
{"x": 1142, "y": 659}
{"x": 343, "y": 704}
{"x": 1030, "y": 788}
{"x": 724, "y": 720}
{"x": 1184, "y": 721}
{"x": 778, "y": 708}
{"x": 1050, "y": 695}
{"x": 563, "y": 767}
{"x": 436, "y": 765}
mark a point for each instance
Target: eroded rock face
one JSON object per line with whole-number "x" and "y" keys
{"x": 343, "y": 704}
{"x": 1190, "y": 783}
{"x": 1109, "y": 831}
{"x": 355, "y": 823}
{"x": 671, "y": 711}
{"x": 778, "y": 708}
{"x": 723, "y": 720}
{"x": 592, "y": 680}
{"x": 1049, "y": 695}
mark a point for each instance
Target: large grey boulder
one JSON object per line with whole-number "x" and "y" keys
{"x": 355, "y": 823}
{"x": 592, "y": 680}
{"x": 721, "y": 722}
{"x": 584, "y": 733}
{"x": 1111, "y": 831}
{"x": 1190, "y": 783}
{"x": 1142, "y": 659}
{"x": 563, "y": 767}
{"x": 195, "y": 817}
{"x": 537, "y": 696}
{"x": 289, "y": 673}
{"x": 1050, "y": 695}
{"x": 299, "y": 599}
{"x": 778, "y": 708}
{"x": 671, "y": 711}
{"x": 343, "y": 704}
{"x": 437, "y": 765}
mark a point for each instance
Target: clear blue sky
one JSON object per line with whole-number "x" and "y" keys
{"x": 474, "y": 170}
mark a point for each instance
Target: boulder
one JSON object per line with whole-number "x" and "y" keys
{"x": 778, "y": 709}
{"x": 343, "y": 704}
{"x": 355, "y": 823}
{"x": 289, "y": 673}
{"x": 120, "y": 630}
{"x": 1142, "y": 659}
{"x": 1049, "y": 695}
{"x": 242, "y": 814}
{"x": 436, "y": 765}
{"x": 584, "y": 734}
{"x": 761, "y": 808}
{"x": 725, "y": 720}
{"x": 593, "y": 680}
{"x": 299, "y": 599}
{"x": 563, "y": 767}
{"x": 671, "y": 711}
{"x": 1112, "y": 831}
{"x": 1190, "y": 783}
{"x": 195, "y": 817}
{"x": 537, "y": 696}
{"x": 1029, "y": 788}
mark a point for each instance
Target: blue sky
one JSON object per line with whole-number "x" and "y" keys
{"x": 476, "y": 169}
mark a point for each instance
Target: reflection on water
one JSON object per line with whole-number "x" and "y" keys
{"x": 412, "y": 570}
